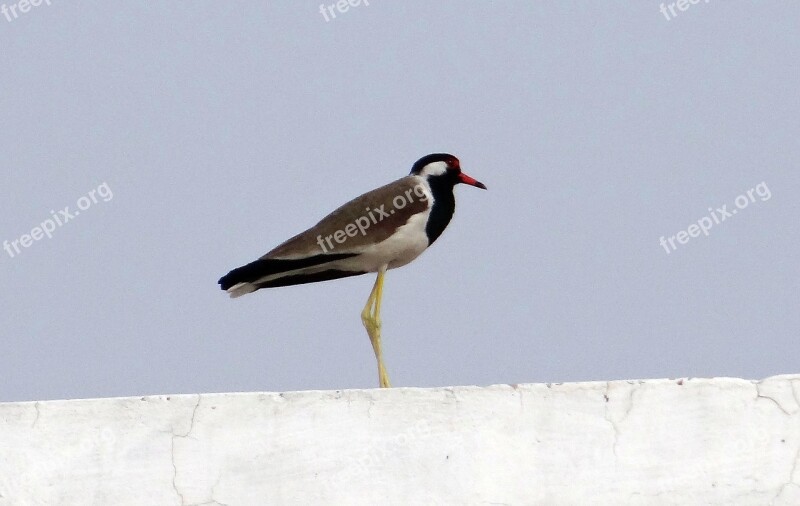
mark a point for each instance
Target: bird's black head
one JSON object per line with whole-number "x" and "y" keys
{"x": 443, "y": 167}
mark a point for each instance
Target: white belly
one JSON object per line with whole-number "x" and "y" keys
{"x": 406, "y": 244}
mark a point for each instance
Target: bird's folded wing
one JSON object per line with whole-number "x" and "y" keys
{"x": 362, "y": 222}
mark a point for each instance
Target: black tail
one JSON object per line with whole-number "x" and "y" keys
{"x": 263, "y": 267}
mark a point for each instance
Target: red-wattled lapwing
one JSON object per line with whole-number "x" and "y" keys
{"x": 382, "y": 229}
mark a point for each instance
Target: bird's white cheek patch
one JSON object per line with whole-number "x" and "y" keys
{"x": 434, "y": 169}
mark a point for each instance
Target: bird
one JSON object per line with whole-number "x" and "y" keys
{"x": 383, "y": 229}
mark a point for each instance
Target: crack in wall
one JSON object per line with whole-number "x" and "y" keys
{"x": 607, "y": 413}
{"x": 796, "y": 464}
{"x": 778, "y": 404}
{"x": 607, "y": 416}
{"x": 172, "y": 449}
{"x": 214, "y": 492}
{"x": 36, "y": 419}
{"x": 791, "y": 477}
{"x": 211, "y": 501}
{"x": 759, "y": 395}
{"x": 175, "y": 473}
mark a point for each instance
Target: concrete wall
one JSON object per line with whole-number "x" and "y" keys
{"x": 692, "y": 441}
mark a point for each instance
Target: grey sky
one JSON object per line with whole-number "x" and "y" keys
{"x": 224, "y": 128}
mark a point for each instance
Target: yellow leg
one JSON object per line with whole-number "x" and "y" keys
{"x": 371, "y": 317}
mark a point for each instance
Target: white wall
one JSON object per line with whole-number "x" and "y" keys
{"x": 696, "y": 441}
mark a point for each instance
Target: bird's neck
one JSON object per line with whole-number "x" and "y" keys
{"x": 444, "y": 204}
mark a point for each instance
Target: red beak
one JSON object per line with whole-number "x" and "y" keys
{"x": 463, "y": 178}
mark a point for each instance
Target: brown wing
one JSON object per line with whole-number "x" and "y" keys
{"x": 363, "y": 221}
